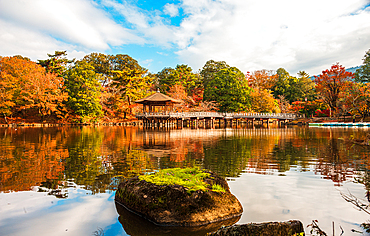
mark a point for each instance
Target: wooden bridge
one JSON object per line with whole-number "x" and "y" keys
{"x": 158, "y": 112}
{"x": 209, "y": 119}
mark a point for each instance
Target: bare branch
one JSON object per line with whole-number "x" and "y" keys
{"x": 355, "y": 201}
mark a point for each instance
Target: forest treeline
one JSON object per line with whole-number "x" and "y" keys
{"x": 103, "y": 87}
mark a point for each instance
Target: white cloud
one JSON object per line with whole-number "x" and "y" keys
{"x": 296, "y": 35}
{"x": 79, "y": 214}
{"x": 16, "y": 40}
{"x": 171, "y": 9}
{"x": 148, "y": 25}
{"x": 33, "y": 27}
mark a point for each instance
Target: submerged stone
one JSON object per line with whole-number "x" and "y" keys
{"x": 288, "y": 228}
{"x": 174, "y": 205}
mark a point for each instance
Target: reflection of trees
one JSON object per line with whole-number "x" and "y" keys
{"x": 333, "y": 162}
{"x": 287, "y": 155}
{"x": 83, "y": 164}
{"x": 30, "y": 157}
{"x": 132, "y": 163}
{"x": 96, "y": 156}
{"x": 228, "y": 157}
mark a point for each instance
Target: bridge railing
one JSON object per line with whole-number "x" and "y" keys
{"x": 218, "y": 115}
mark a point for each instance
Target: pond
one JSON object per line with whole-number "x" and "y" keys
{"x": 62, "y": 181}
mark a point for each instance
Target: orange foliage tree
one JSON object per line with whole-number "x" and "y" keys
{"x": 332, "y": 83}
{"x": 357, "y": 99}
{"x": 7, "y": 90}
{"x": 263, "y": 79}
{"x": 263, "y": 101}
{"x": 25, "y": 86}
{"x": 307, "y": 107}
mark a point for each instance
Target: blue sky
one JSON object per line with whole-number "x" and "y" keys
{"x": 249, "y": 34}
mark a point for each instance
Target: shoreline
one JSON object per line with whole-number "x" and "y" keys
{"x": 135, "y": 122}
{"x": 22, "y": 124}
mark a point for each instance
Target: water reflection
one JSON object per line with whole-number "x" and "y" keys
{"x": 137, "y": 226}
{"x": 59, "y": 162}
{"x": 97, "y": 157}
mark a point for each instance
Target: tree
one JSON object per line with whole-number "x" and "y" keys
{"x": 284, "y": 104}
{"x": 84, "y": 90}
{"x": 183, "y": 76}
{"x": 262, "y": 79}
{"x": 230, "y": 90}
{"x": 209, "y": 71}
{"x": 305, "y": 87}
{"x": 363, "y": 73}
{"x": 285, "y": 85}
{"x": 131, "y": 80}
{"x": 357, "y": 99}
{"x": 263, "y": 101}
{"x": 25, "y": 86}
{"x": 57, "y": 63}
{"x": 7, "y": 88}
{"x": 293, "y": 88}
{"x": 308, "y": 108}
{"x": 131, "y": 88}
{"x": 123, "y": 81}
{"x": 47, "y": 95}
{"x": 178, "y": 92}
{"x": 332, "y": 83}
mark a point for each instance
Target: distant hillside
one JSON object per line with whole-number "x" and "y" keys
{"x": 353, "y": 69}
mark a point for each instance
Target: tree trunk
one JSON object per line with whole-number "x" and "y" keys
{"x": 6, "y": 120}
{"x": 129, "y": 104}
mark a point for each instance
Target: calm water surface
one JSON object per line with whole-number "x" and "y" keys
{"x": 62, "y": 181}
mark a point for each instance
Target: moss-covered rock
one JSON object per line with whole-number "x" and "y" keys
{"x": 175, "y": 205}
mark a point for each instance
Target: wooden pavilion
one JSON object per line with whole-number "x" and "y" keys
{"x": 156, "y": 109}
{"x": 158, "y": 103}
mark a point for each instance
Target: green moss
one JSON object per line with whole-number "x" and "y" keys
{"x": 190, "y": 178}
{"x": 218, "y": 188}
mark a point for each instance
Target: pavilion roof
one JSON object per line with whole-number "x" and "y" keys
{"x": 157, "y": 97}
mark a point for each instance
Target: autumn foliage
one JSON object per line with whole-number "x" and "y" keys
{"x": 332, "y": 83}
{"x": 26, "y": 88}
{"x": 103, "y": 87}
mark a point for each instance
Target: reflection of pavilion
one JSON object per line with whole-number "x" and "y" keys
{"x": 161, "y": 143}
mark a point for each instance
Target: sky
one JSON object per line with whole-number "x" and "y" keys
{"x": 297, "y": 35}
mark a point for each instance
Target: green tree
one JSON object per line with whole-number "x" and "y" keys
{"x": 102, "y": 64}
{"x": 84, "y": 90}
{"x": 57, "y": 63}
{"x": 123, "y": 81}
{"x": 230, "y": 90}
{"x": 363, "y": 73}
{"x": 209, "y": 71}
{"x": 305, "y": 87}
{"x": 181, "y": 75}
{"x": 293, "y": 88}
{"x": 169, "y": 80}
{"x": 285, "y": 85}
{"x": 130, "y": 79}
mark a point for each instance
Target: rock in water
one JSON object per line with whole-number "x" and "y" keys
{"x": 288, "y": 228}
{"x": 175, "y": 205}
